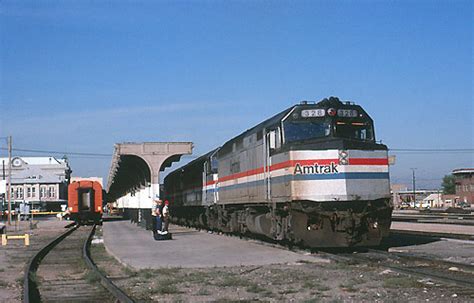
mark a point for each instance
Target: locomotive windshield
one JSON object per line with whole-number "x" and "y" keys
{"x": 305, "y": 130}
{"x": 354, "y": 130}
{"x": 317, "y": 123}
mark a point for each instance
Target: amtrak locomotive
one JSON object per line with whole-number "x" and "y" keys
{"x": 313, "y": 175}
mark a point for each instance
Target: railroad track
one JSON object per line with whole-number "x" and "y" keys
{"x": 437, "y": 218}
{"x": 430, "y": 270}
{"x": 63, "y": 271}
{"x": 452, "y": 274}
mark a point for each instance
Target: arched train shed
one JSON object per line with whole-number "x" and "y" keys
{"x": 134, "y": 176}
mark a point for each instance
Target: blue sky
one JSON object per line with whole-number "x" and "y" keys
{"x": 79, "y": 76}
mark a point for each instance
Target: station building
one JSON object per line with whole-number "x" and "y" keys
{"x": 464, "y": 181}
{"x": 38, "y": 181}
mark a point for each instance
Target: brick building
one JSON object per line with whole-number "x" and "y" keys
{"x": 464, "y": 181}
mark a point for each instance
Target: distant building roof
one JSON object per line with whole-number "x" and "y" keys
{"x": 450, "y": 197}
{"x": 433, "y": 197}
{"x": 419, "y": 191}
{"x": 37, "y": 160}
{"x": 34, "y": 170}
{"x": 32, "y": 174}
{"x": 463, "y": 171}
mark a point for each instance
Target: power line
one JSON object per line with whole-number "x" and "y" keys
{"x": 402, "y": 150}
{"x": 58, "y": 152}
{"x": 440, "y": 150}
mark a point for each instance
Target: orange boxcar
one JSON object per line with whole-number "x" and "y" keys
{"x": 85, "y": 201}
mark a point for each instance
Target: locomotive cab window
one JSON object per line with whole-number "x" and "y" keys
{"x": 354, "y": 130}
{"x": 305, "y": 130}
{"x": 211, "y": 166}
{"x": 274, "y": 139}
{"x": 214, "y": 165}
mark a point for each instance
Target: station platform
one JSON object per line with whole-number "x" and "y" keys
{"x": 465, "y": 232}
{"x": 190, "y": 248}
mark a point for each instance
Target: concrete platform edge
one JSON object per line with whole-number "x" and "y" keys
{"x": 109, "y": 251}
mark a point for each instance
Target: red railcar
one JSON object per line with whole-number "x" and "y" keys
{"x": 85, "y": 201}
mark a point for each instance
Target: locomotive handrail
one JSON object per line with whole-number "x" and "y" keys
{"x": 106, "y": 282}
{"x": 30, "y": 289}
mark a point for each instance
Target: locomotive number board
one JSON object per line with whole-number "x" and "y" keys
{"x": 308, "y": 113}
{"x": 349, "y": 113}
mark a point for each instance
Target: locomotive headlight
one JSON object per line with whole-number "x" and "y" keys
{"x": 332, "y": 112}
{"x": 99, "y": 208}
{"x": 375, "y": 225}
{"x": 295, "y": 115}
{"x": 70, "y": 208}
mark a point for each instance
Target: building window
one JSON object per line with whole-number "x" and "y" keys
{"x": 51, "y": 192}
{"x": 28, "y": 192}
{"x": 20, "y": 193}
{"x": 12, "y": 193}
{"x": 43, "y": 192}
{"x": 33, "y": 192}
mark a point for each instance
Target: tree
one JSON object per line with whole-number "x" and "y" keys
{"x": 449, "y": 187}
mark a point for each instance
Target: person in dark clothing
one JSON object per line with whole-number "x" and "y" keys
{"x": 156, "y": 216}
{"x": 159, "y": 216}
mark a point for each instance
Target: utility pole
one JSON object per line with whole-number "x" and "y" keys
{"x": 414, "y": 187}
{"x": 9, "y": 187}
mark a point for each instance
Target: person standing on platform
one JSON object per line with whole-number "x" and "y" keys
{"x": 153, "y": 218}
{"x": 166, "y": 216}
{"x": 157, "y": 220}
{"x": 159, "y": 216}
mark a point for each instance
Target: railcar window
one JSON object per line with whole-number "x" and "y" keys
{"x": 300, "y": 131}
{"x": 86, "y": 199}
{"x": 360, "y": 131}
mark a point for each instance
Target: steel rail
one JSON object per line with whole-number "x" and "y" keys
{"x": 431, "y": 234}
{"x": 420, "y": 272}
{"x": 415, "y": 257}
{"x": 105, "y": 281}
{"x": 30, "y": 289}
